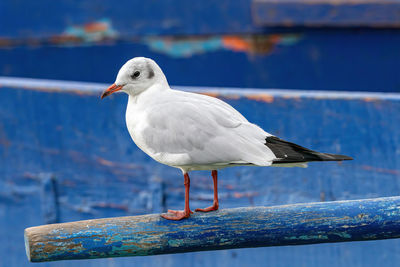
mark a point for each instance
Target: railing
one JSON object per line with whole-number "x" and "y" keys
{"x": 298, "y": 224}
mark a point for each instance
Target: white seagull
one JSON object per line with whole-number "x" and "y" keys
{"x": 190, "y": 131}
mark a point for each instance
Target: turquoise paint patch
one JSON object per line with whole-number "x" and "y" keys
{"x": 189, "y": 46}
{"x": 307, "y": 237}
{"x": 343, "y": 234}
{"x": 184, "y": 48}
{"x": 101, "y": 29}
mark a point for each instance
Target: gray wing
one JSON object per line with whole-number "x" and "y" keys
{"x": 192, "y": 129}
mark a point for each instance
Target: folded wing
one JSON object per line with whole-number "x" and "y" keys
{"x": 202, "y": 130}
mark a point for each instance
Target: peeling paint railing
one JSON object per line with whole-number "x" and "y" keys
{"x": 298, "y": 224}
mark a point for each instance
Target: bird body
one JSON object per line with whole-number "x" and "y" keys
{"x": 194, "y": 132}
{"x": 191, "y": 131}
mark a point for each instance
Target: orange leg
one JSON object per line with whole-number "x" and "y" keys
{"x": 177, "y": 215}
{"x": 215, "y": 204}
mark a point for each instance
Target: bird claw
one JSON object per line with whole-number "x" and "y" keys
{"x": 178, "y": 211}
{"x": 212, "y": 208}
{"x": 176, "y": 215}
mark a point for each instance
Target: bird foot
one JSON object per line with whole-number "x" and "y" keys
{"x": 213, "y": 207}
{"x": 176, "y": 215}
{"x": 178, "y": 211}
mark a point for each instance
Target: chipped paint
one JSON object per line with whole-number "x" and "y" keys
{"x": 189, "y": 46}
{"x": 235, "y": 43}
{"x": 369, "y": 99}
{"x": 42, "y": 132}
{"x": 262, "y": 97}
{"x": 296, "y": 224}
{"x": 91, "y": 32}
{"x": 307, "y": 237}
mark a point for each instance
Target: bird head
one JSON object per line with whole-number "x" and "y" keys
{"x": 135, "y": 76}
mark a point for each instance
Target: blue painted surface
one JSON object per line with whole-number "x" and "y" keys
{"x": 358, "y": 60}
{"x": 326, "y": 13}
{"x": 191, "y": 41}
{"x": 131, "y": 18}
{"x": 299, "y": 224}
{"x": 177, "y": 17}
{"x": 83, "y": 143}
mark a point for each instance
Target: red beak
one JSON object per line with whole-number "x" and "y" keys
{"x": 110, "y": 90}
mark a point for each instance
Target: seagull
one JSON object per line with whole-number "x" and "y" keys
{"x": 192, "y": 131}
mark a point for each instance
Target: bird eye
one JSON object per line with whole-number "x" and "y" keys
{"x": 135, "y": 74}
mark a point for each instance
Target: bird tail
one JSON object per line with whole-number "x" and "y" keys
{"x": 287, "y": 152}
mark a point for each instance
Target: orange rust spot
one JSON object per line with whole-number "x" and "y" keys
{"x": 380, "y": 170}
{"x": 95, "y": 27}
{"x": 105, "y": 162}
{"x": 275, "y": 38}
{"x": 369, "y": 99}
{"x": 64, "y": 38}
{"x": 229, "y": 186}
{"x": 110, "y": 163}
{"x": 262, "y": 97}
{"x": 235, "y": 43}
{"x": 234, "y": 97}
{"x": 6, "y": 42}
{"x": 291, "y": 97}
{"x": 237, "y": 195}
{"x": 210, "y": 94}
{"x": 246, "y": 194}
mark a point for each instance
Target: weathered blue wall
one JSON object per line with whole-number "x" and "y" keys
{"x": 210, "y": 43}
{"x": 132, "y": 18}
{"x": 67, "y": 156}
{"x": 360, "y": 60}
{"x": 46, "y": 18}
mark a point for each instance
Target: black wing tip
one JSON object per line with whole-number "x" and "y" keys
{"x": 332, "y": 157}
{"x": 288, "y": 152}
{"x": 341, "y": 157}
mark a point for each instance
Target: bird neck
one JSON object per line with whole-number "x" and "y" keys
{"x": 149, "y": 94}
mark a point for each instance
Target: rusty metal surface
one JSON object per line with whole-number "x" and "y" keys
{"x": 299, "y": 224}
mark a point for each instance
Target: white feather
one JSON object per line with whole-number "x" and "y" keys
{"x": 192, "y": 131}
{"x": 187, "y": 130}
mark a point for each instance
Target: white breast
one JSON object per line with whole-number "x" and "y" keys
{"x": 138, "y": 126}
{"x": 136, "y": 123}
